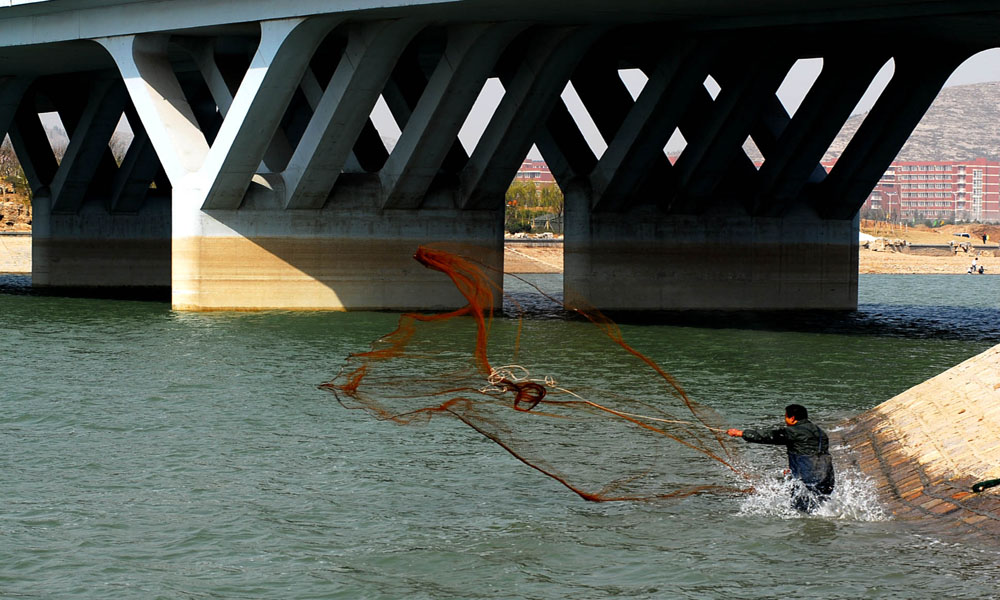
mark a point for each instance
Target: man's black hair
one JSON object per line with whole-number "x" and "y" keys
{"x": 798, "y": 411}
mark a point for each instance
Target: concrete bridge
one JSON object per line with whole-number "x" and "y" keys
{"x": 257, "y": 178}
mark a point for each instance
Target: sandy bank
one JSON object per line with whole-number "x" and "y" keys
{"x": 523, "y": 258}
{"x": 15, "y": 254}
{"x": 15, "y": 257}
{"x": 914, "y": 264}
{"x": 527, "y": 258}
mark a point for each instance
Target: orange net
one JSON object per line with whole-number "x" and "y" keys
{"x": 620, "y": 444}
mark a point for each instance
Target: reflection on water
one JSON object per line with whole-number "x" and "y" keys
{"x": 908, "y": 306}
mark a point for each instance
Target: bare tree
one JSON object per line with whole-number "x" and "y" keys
{"x": 14, "y": 179}
{"x": 120, "y": 141}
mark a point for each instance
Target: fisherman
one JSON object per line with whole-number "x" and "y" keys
{"x": 808, "y": 455}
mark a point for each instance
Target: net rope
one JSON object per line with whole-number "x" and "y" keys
{"x": 604, "y": 445}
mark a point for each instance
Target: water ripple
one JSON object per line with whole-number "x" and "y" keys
{"x": 146, "y": 453}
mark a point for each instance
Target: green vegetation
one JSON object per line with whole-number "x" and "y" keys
{"x": 525, "y": 201}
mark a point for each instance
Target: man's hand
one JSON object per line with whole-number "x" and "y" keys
{"x": 735, "y": 432}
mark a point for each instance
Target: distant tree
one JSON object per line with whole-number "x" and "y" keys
{"x": 520, "y": 199}
{"x": 550, "y": 197}
{"x": 521, "y": 194}
{"x": 120, "y": 141}
{"x": 519, "y": 220}
{"x": 59, "y": 148}
{"x": 11, "y": 171}
{"x": 874, "y": 214}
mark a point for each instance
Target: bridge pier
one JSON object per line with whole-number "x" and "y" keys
{"x": 350, "y": 255}
{"x": 282, "y": 199}
{"x": 97, "y": 249}
{"x": 707, "y": 262}
{"x": 98, "y": 223}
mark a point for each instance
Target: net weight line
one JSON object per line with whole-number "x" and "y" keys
{"x": 503, "y": 379}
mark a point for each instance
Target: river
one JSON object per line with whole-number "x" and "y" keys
{"x": 148, "y": 453}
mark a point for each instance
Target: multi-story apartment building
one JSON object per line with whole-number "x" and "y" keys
{"x": 909, "y": 190}
{"x": 947, "y": 190}
{"x": 535, "y": 171}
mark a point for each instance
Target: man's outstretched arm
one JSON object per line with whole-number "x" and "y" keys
{"x": 756, "y": 436}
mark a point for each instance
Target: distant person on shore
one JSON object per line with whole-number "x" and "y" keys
{"x": 985, "y": 237}
{"x": 974, "y": 267}
{"x": 809, "y": 459}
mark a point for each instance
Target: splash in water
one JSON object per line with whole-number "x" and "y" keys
{"x": 854, "y": 498}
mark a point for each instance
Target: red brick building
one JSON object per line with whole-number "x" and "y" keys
{"x": 909, "y": 190}
{"x": 535, "y": 171}
{"x": 948, "y": 190}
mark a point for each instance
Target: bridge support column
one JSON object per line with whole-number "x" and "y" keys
{"x": 643, "y": 260}
{"x": 97, "y": 225}
{"x": 316, "y": 234}
{"x": 93, "y": 249}
{"x": 348, "y": 256}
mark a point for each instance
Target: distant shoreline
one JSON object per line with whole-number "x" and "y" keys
{"x": 520, "y": 257}
{"x": 546, "y": 256}
{"x": 902, "y": 263}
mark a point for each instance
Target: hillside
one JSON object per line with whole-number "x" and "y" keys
{"x": 963, "y": 123}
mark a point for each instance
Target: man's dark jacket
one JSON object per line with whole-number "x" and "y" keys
{"x": 808, "y": 452}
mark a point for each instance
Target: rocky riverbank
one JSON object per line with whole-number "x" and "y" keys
{"x": 15, "y": 216}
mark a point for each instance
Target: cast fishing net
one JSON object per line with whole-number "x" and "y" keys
{"x": 643, "y": 438}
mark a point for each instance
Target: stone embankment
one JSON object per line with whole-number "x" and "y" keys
{"x": 949, "y": 249}
{"x": 926, "y": 447}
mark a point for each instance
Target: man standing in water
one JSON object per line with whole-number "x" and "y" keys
{"x": 808, "y": 454}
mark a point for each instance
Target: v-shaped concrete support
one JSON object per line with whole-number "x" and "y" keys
{"x": 342, "y": 111}
{"x": 217, "y": 176}
{"x": 529, "y": 95}
{"x": 11, "y": 92}
{"x": 648, "y": 126}
{"x": 88, "y": 145}
{"x": 468, "y": 60}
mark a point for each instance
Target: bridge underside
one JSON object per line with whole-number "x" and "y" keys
{"x": 258, "y": 178}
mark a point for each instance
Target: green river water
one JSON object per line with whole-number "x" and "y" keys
{"x": 154, "y": 454}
